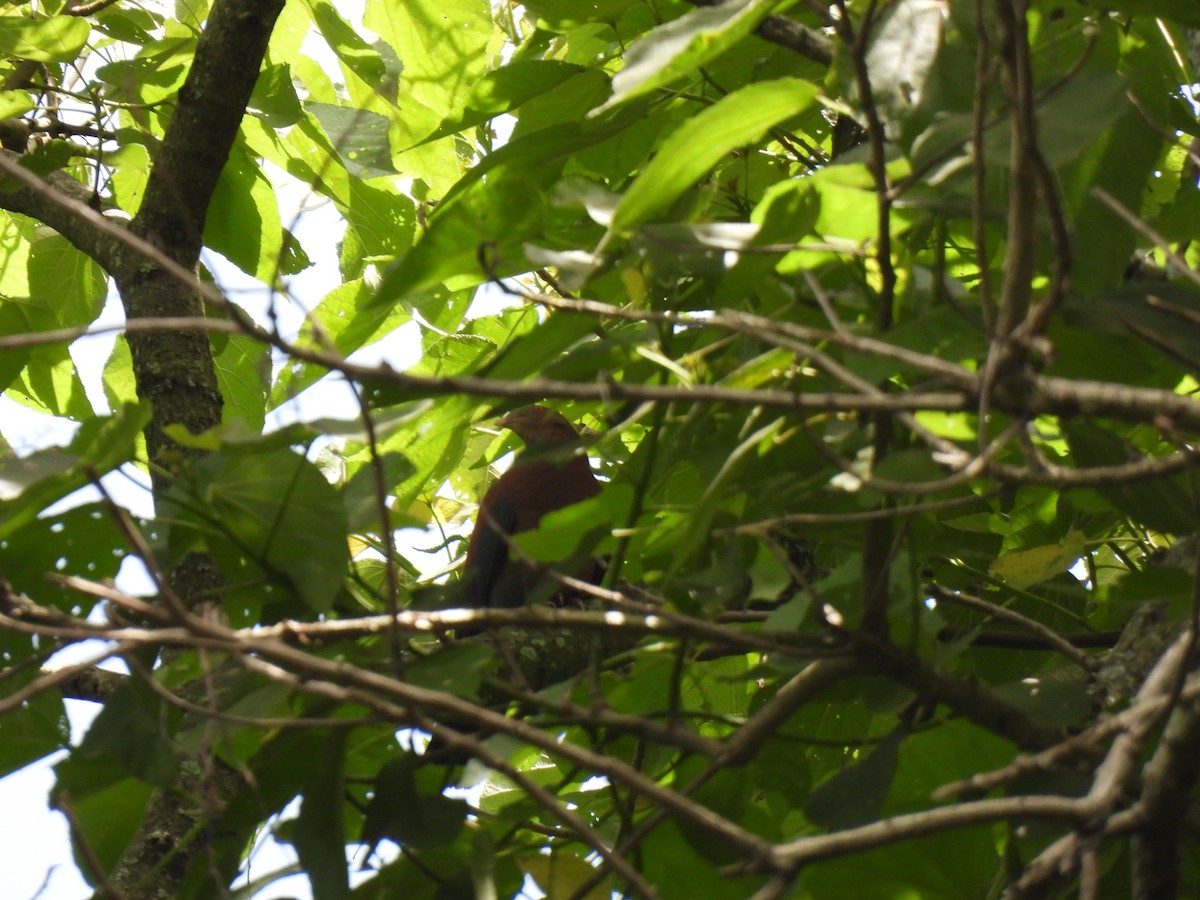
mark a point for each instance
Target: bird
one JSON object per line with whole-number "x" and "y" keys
{"x": 540, "y": 481}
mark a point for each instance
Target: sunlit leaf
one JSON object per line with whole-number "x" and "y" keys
{"x": 687, "y": 154}
{"x": 682, "y": 45}
{"x": 359, "y": 136}
{"x": 54, "y": 39}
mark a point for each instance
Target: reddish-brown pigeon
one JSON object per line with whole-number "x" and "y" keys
{"x": 539, "y": 482}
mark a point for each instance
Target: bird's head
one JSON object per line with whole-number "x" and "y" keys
{"x": 536, "y": 426}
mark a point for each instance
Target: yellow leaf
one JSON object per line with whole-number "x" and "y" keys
{"x": 1023, "y": 568}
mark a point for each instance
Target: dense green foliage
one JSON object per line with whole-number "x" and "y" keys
{"x": 883, "y": 318}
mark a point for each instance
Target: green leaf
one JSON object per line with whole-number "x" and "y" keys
{"x": 243, "y": 364}
{"x": 360, "y": 495}
{"x": 51, "y": 383}
{"x": 845, "y": 194}
{"x": 48, "y": 157}
{"x": 84, "y": 540}
{"x": 683, "y": 45}
{"x": 120, "y": 386}
{"x": 566, "y": 103}
{"x": 408, "y": 812}
{"x": 445, "y": 48}
{"x": 319, "y": 835}
{"x": 155, "y": 74}
{"x": 499, "y": 212}
{"x": 58, "y": 270}
{"x": 46, "y": 283}
{"x": 14, "y": 103}
{"x": 563, "y": 874}
{"x": 56, "y": 39}
{"x": 458, "y": 670}
{"x": 1163, "y": 503}
{"x": 769, "y": 578}
{"x": 39, "y": 727}
{"x": 30, "y": 484}
{"x": 542, "y": 154}
{"x": 855, "y": 795}
{"x": 1058, "y": 702}
{"x": 779, "y": 769}
{"x": 346, "y": 318}
{"x": 131, "y": 730}
{"x": 559, "y": 14}
{"x": 243, "y": 217}
{"x": 729, "y": 793}
{"x": 561, "y": 532}
{"x": 702, "y": 876}
{"x": 944, "y": 866}
{"x": 19, "y": 474}
{"x": 1119, "y": 160}
{"x": 1069, "y": 120}
{"x": 275, "y": 97}
{"x": 105, "y": 806}
{"x": 1182, "y": 11}
{"x": 384, "y": 221}
{"x": 902, "y": 57}
{"x": 134, "y": 26}
{"x": 360, "y": 137}
{"x": 271, "y": 509}
{"x": 505, "y": 89}
{"x": 732, "y": 122}
{"x": 355, "y": 53}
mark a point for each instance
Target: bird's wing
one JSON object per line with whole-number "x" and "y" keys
{"x": 490, "y": 556}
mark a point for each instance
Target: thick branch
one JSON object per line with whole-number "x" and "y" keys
{"x": 1168, "y": 782}
{"x": 44, "y": 200}
{"x": 205, "y": 123}
{"x": 175, "y": 370}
